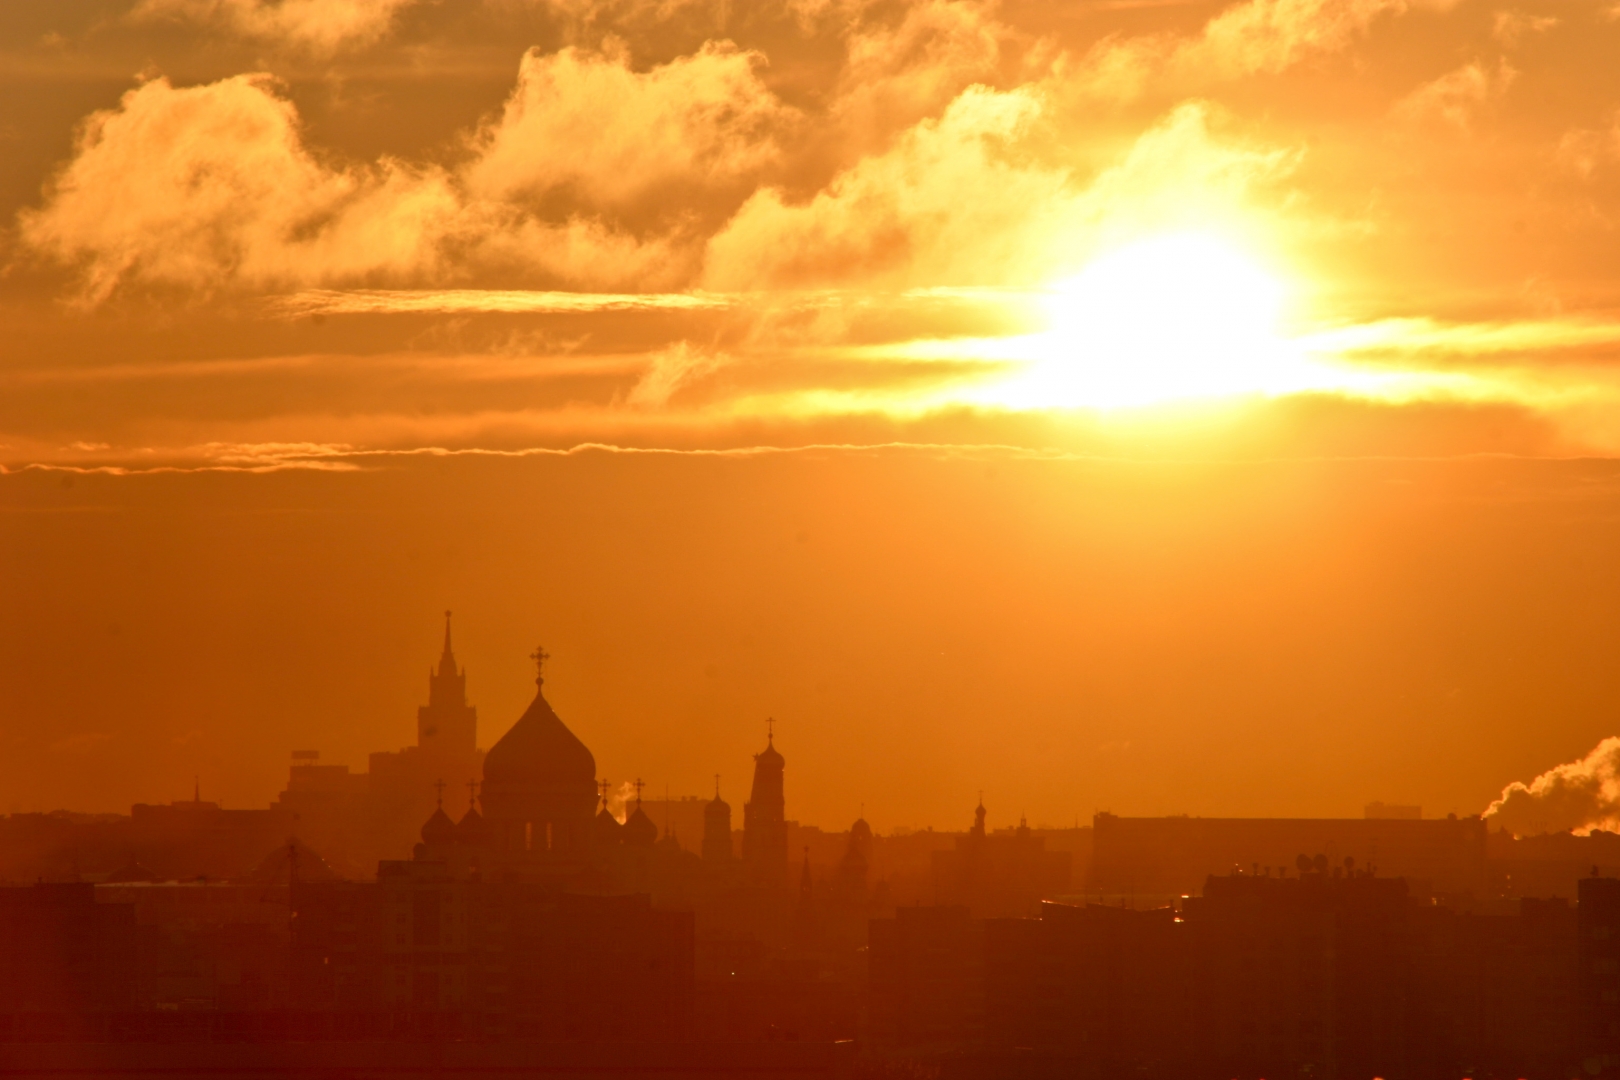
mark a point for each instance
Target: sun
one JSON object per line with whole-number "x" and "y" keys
{"x": 1171, "y": 317}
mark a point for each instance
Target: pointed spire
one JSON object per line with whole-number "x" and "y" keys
{"x": 447, "y": 659}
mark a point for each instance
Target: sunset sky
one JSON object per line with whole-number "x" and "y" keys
{"x": 1146, "y": 405}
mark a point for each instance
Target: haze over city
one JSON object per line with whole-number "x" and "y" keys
{"x": 1149, "y": 407}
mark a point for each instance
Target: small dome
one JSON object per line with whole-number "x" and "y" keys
{"x": 609, "y": 832}
{"x": 639, "y": 831}
{"x": 472, "y": 830}
{"x": 860, "y": 830}
{"x": 540, "y": 751}
{"x": 439, "y": 831}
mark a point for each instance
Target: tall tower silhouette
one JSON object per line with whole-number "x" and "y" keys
{"x": 765, "y": 847}
{"x": 447, "y": 724}
{"x": 717, "y": 829}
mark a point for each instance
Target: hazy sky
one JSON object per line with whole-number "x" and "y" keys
{"x": 1125, "y": 404}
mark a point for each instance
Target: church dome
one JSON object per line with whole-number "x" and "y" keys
{"x": 639, "y": 831}
{"x": 439, "y": 831}
{"x": 609, "y": 832}
{"x": 769, "y": 756}
{"x": 472, "y": 830}
{"x": 540, "y": 751}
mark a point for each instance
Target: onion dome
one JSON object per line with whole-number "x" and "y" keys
{"x": 609, "y": 833}
{"x": 540, "y": 751}
{"x": 769, "y": 755}
{"x": 639, "y": 831}
{"x": 472, "y": 830}
{"x": 439, "y": 831}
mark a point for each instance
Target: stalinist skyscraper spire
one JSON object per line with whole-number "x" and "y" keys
{"x": 447, "y": 724}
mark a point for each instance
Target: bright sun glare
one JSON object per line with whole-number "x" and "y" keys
{"x": 1180, "y": 316}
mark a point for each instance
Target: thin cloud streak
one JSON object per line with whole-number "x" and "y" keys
{"x": 487, "y": 301}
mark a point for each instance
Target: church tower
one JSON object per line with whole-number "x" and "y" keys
{"x": 765, "y": 848}
{"x": 717, "y": 829}
{"x": 447, "y": 726}
{"x": 540, "y": 789}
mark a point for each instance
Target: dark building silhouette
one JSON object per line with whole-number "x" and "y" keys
{"x": 492, "y": 958}
{"x": 1166, "y": 857}
{"x": 1599, "y": 979}
{"x": 1330, "y": 972}
{"x": 765, "y": 847}
{"x": 62, "y": 954}
{"x": 998, "y": 874}
{"x": 927, "y": 979}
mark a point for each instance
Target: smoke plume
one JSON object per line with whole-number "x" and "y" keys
{"x": 1580, "y": 796}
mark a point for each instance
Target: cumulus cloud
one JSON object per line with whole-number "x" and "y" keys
{"x": 1454, "y": 97}
{"x": 317, "y": 25}
{"x": 588, "y": 122}
{"x": 895, "y": 73}
{"x": 195, "y": 185}
{"x": 1580, "y": 796}
{"x": 1259, "y": 37}
{"x": 957, "y": 201}
{"x": 211, "y": 186}
{"x": 1270, "y": 36}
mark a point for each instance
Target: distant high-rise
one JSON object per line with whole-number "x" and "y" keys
{"x": 765, "y": 848}
{"x": 717, "y": 829}
{"x": 401, "y": 788}
{"x": 447, "y": 725}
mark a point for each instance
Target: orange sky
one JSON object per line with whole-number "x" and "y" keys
{"x": 1126, "y": 404}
